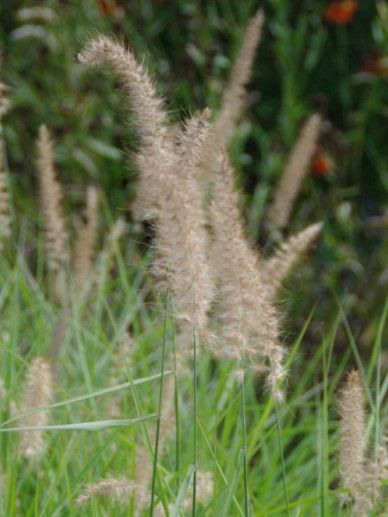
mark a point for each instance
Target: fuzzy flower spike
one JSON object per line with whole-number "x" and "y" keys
{"x": 168, "y": 184}
{"x": 248, "y": 322}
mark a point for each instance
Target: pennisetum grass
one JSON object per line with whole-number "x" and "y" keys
{"x": 277, "y": 267}
{"x": 38, "y": 392}
{"x": 119, "y": 489}
{"x": 248, "y": 325}
{"x": 5, "y": 209}
{"x": 293, "y": 174}
{"x": 352, "y": 444}
{"x": 234, "y": 97}
{"x": 51, "y": 195}
{"x": 84, "y": 248}
{"x": 207, "y": 268}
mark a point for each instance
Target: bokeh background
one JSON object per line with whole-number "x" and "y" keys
{"x": 321, "y": 56}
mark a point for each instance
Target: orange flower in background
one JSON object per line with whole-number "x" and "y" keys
{"x": 341, "y": 12}
{"x": 377, "y": 65}
{"x": 106, "y": 7}
{"x": 110, "y": 8}
{"x": 322, "y": 164}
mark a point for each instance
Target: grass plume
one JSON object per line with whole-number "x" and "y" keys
{"x": 181, "y": 238}
{"x": 277, "y": 267}
{"x": 234, "y": 97}
{"x": 84, "y": 248}
{"x": 5, "y": 208}
{"x": 37, "y": 392}
{"x": 120, "y": 490}
{"x": 293, "y": 174}
{"x": 156, "y": 146}
{"x": 248, "y": 322}
{"x": 352, "y": 444}
{"x": 51, "y": 195}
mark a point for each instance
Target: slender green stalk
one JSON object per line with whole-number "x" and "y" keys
{"x": 280, "y": 441}
{"x": 195, "y": 431}
{"x": 177, "y": 430}
{"x": 159, "y": 414}
{"x": 326, "y": 360}
{"x": 245, "y": 452}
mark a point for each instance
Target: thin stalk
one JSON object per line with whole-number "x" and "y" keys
{"x": 177, "y": 430}
{"x": 159, "y": 415}
{"x": 245, "y": 452}
{"x": 279, "y": 436}
{"x": 195, "y": 434}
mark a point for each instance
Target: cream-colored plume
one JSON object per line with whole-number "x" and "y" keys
{"x": 294, "y": 173}
{"x": 56, "y": 237}
{"x": 248, "y": 322}
{"x": 204, "y": 490}
{"x": 181, "y": 238}
{"x": 120, "y": 490}
{"x": 276, "y": 268}
{"x": 352, "y": 444}
{"x": 168, "y": 416}
{"x": 167, "y": 190}
{"x": 143, "y": 475}
{"x": 121, "y": 362}
{"x": 156, "y": 146}
{"x": 5, "y": 208}
{"x": 150, "y": 114}
{"x": 4, "y": 101}
{"x": 84, "y": 247}
{"x": 37, "y": 392}
{"x": 234, "y": 97}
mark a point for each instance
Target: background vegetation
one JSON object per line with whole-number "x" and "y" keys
{"x": 304, "y": 63}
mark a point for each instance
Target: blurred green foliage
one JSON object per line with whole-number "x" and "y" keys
{"x": 303, "y": 64}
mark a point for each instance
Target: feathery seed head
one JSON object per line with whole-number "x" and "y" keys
{"x": 204, "y": 490}
{"x": 352, "y": 441}
{"x": 294, "y": 173}
{"x": 86, "y": 240}
{"x": 181, "y": 237}
{"x": 56, "y": 238}
{"x": 38, "y": 392}
{"x": 120, "y": 490}
{"x": 148, "y": 107}
{"x": 4, "y": 101}
{"x": 234, "y": 98}
{"x": 5, "y": 208}
{"x": 248, "y": 324}
{"x": 277, "y": 267}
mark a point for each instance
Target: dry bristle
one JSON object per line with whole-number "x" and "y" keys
{"x": 156, "y": 154}
{"x": 116, "y": 232}
{"x": 144, "y": 472}
{"x": 192, "y": 145}
{"x": 86, "y": 240}
{"x": 204, "y": 490}
{"x": 181, "y": 237}
{"x": 294, "y": 173}
{"x": 136, "y": 83}
{"x": 119, "y": 489}
{"x": 248, "y": 322}
{"x": 168, "y": 416}
{"x": 234, "y": 98}
{"x": 5, "y": 209}
{"x": 352, "y": 443}
{"x": 121, "y": 361}
{"x": 4, "y": 101}
{"x": 278, "y": 267}
{"x": 56, "y": 238}
{"x": 37, "y": 392}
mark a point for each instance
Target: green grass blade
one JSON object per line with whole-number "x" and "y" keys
{"x": 96, "y": 425}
